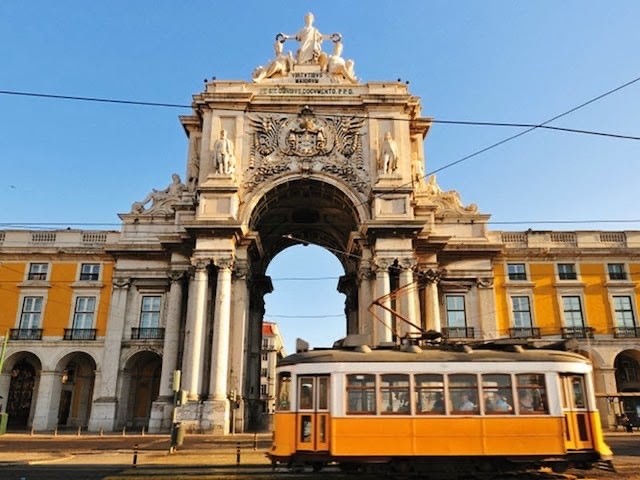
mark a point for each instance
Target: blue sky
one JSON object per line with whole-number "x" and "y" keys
{"x": 72, "y": 163}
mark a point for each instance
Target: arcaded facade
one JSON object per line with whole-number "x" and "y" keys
{"x": 304, "y": 152}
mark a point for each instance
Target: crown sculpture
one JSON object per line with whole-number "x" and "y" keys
{"x": 309, "y": 58}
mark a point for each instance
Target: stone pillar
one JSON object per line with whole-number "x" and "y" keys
{"x": 383, "y": 326}
{"x": 162, "y": 408}
{"x": 194, "y": 336}
{"x": 604, "y": 378}
{"x": 45, "y": 416}
{"x": 432, "y": 300}
{"x": 347, "y": 286}
{"x": 486, "y": 307}
{"x": 103, "y": 411}
{"x": 365, "y": 279}
{"x": 218, "y": 403}
{"x": 409, "y": 303}
{"x": 237, "y": 372}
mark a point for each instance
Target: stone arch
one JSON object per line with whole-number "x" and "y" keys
{"x": 21, "y": 380}
{"x": 312, "y": 209}
{"x": 627, "y": 366}
{"x": 77, "y": 379}
{"x": 140, "y": 385}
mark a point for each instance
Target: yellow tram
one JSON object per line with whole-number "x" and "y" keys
{"x": 484, "y": 408}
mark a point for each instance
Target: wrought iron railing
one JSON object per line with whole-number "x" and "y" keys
{"x": 25, "y": 334}
{"x": 524, "y": 332}
{"x": 147, "y": 333}
{"x": 458, "y": 332}
{"x": 626, "y": 332}
{"x": 577, "y": 332}
{"x": 79, "y": 334}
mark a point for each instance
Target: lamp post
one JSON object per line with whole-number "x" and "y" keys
{"x": 175, "y": 386}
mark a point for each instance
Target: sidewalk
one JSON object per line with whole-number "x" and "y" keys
{"x": 197, "y": 450}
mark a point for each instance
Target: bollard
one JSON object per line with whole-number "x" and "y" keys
{"x": 142, "y": 432}
{"x": 237, "y": 453}
{"x": 55, "y": 432}
{"x": 124, "y": 431}
{"x": 135, "y": 455}
{"x": 255, "y": 441}
{"x": 33, "y": 431}
{"x": 101, "y": 432}
{"x": 79, "y": 430}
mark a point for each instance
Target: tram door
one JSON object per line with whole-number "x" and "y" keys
{"x": 312, "y": 423}
{"x": 576, "y": 414}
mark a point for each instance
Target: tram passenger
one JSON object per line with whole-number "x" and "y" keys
{"x": 438, "y": 404}
{"x": 525, "y": 401}
{"x": 496, "y": 403}
{"x": 466, "y": 405}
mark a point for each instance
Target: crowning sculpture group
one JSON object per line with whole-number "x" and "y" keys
{"x": 308, "y": 139}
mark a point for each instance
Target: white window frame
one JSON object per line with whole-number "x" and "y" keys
{"x": 142, "y": 313}
{"x": 464, "y": 309}
{"x": 84, "y": 314}
{"x": 525, "y": 272}
{"x": 575, "y": 271}
{"x": 632, "y": 305}
{"x": 40, "y": 313}
{"x": 624, "y": 272}
{"x": 513, "y": 294}
{"x": 90, "y": 272}
{"x": 30, "y": 272}
{"x": 564, "y": 312}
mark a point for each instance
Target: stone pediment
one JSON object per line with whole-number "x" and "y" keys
{"x": 309, "y": 64}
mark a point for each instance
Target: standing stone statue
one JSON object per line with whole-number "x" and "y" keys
{"x": 223, "y": 155}
{"x": 310, "y": 39}
{"x": 388, "y": 154}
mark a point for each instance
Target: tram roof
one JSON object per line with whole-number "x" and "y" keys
{"x": 430, "y": 355}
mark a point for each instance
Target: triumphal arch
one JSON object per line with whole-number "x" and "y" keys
{"x": 304, "y": 152}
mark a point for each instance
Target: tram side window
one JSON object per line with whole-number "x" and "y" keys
{"x": 394, "y": 393}
{"x": 497, "y": 394}
{"x": 361, "y": 394}
{"x": 532, "y": 394}
{"x": 283, "y": 392}
{"x": 429, "y": 394}
{"x": 305, "y": 398}
{"x": 463, "y": 394}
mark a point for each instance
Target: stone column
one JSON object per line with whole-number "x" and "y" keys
{"x": 432, "y": 300}
{"x": 365, "y": 278}
{"x": 47, "y": 400}
{"x": 221, "y": 328}
{"x": 409, "y": 303}
{"x": 240, "y": 308}
{"x": 383, "y": 325}
{"x": 192, "y": 360}
{"x": 103, "y": 411}
{"x": 161, "y": 409}
{"x": 217, "y": 414}
{"x": 486, "y": 307}
{"x": 604, "y": 378}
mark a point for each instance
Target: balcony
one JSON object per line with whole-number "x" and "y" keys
{"x": 458, "y": 332}
{"x": 79, "y": 334}
{"x": 577, "y": 332}
{"x": 626, "y": 332}
{"x": 524, "y": 332}
{"x": 147, "y": 333}
{"x": 25, "y": 334}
